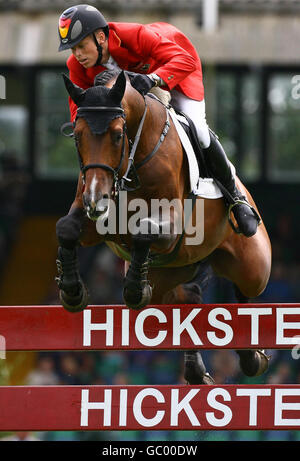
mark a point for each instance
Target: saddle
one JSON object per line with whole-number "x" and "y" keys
{"x": 187, "y": 124}
{"x": 202, "y": 182}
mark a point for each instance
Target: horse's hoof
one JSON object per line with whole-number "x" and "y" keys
{"x": 205, "y": 379}
{"x": 253, "y": 362}
{"x": 263, "y": 361}
{"x": 74, "y": 303}
{"x": 135, "y": 303}
{"x": 194, "y": 369}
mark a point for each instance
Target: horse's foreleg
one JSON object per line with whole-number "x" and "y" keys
{"x": 137, "y": 291}
{"x": 72, "y": 291}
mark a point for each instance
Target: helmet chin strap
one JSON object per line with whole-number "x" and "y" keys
{"x": 100, "y": 51}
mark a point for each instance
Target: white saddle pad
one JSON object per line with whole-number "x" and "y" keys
{"x": 203, "y": 187}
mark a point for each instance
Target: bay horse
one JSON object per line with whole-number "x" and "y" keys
{"x": 128, "y": 143}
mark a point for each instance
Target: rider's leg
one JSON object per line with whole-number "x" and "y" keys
{"x": 217, "y": 162}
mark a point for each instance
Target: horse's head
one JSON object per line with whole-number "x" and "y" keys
{"x": 99, "y": 134}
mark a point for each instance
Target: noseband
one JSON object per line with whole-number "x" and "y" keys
{"x": 130, "y": 180}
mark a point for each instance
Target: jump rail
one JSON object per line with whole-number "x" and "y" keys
{"x": 162, "y": 327}
{"x": 178, "y": 407}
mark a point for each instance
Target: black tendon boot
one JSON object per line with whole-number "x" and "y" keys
{"x": 68, "y": 275}
{"x": 246, "y": 216}
{"x": 72, "y": 291}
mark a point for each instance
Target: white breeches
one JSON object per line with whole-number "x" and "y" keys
{"x": 195, "y": 110}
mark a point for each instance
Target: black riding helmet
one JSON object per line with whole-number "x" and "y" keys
{"x": 76, "y": 23}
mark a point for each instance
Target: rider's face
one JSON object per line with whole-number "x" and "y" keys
{"x": 86, "y": 51}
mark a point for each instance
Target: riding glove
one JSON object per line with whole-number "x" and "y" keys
{"x": 142, "y": 83}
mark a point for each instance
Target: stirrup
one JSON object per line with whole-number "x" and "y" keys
{"x": 241, "y": 201}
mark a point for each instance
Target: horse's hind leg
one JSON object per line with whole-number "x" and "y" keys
{"x": 252, "y": 362}
{"x": 246, "y": 262}
{"x": 185, "y": 293}
{"x": 194, "y": 368}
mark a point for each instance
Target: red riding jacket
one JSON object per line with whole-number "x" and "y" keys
{"x": 159, "y": 47}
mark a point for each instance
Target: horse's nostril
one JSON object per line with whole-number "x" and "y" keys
{"x": 106, "y": 196}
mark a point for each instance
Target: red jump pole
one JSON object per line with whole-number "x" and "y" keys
{"x": 162, "y": 327}
{"x": 178, "y": 407}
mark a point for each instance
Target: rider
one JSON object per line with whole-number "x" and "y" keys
{"x": 159, "y": 55}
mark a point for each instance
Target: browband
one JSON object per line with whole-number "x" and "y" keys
{"x": 102, "y": 108}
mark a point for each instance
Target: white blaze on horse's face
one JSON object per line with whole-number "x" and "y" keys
{"x": 95, "y": 208}
{"x": 93, "y": 188}
{"x": 91, "y": 205}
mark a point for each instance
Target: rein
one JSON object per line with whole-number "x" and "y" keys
{"x": 130, "y": 180}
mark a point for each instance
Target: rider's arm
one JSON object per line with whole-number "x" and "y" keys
{"x": 173, "y": 63}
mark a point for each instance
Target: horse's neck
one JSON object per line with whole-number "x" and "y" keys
{"x": 170, "y": 164}
{"x": 135, "y": 111}
{"x": 152, "y": 124}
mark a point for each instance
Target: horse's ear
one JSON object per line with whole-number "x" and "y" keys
{"x": 76, "y": 93}
{"x": 118, "y": 90}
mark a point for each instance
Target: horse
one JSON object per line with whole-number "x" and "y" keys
{"x": 127, "y": 144}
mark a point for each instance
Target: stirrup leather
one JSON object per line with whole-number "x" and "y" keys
{"x": 241, "y": 201}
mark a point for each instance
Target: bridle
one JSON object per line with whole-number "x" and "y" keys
{"x": 130, "y": 180}
{"x": 115, "y": 171}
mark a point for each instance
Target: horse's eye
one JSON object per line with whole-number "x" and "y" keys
{"x": 117, "y": 136}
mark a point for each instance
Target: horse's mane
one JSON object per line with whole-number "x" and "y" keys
{"x": 104, "y": 77}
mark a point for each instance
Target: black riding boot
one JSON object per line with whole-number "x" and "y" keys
{"x": 246, "y": 216}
